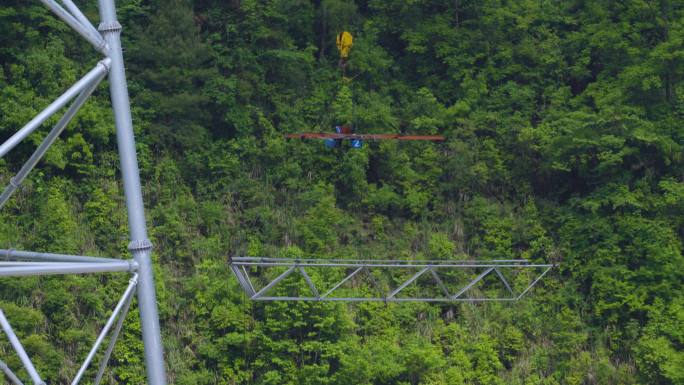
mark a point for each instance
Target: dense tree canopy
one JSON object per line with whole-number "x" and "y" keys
{"x": 564, "y": 144}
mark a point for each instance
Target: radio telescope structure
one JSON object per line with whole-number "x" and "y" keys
{"x": 262, "y": 279}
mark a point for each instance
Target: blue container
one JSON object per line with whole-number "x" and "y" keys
{"x": 356, "y": 143}
{"x": 330, "y": 143}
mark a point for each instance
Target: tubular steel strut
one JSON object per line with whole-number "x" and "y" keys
{"x": 472, "y": 273}
{"x": 107, "y": 40}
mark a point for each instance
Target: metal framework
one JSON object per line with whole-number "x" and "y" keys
{"x": 324, "y": 135}
{"x": 106, "y": 40}
{"x": 438, "y": 281}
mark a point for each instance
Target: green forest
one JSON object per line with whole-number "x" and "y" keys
{"x": 564, "y": 144}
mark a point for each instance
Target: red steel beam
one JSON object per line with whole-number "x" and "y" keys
{"x": 321, "y": 135}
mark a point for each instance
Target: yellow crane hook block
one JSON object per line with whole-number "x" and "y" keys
{"x": 344, "y": 43}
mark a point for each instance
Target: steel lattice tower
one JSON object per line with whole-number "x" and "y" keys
{"x": 106, "y": 40}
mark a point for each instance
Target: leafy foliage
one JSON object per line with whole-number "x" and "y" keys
{"x": 564, "y": 144}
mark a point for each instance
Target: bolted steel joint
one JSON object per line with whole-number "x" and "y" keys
{"x": 106, "y": 63}
{"x": 140, "y": 245}
{"x": 134, "y": 279}
{"x": 109, "y": 27}
{"x": 8, "y": 254}
{"x": 133, "y": 266}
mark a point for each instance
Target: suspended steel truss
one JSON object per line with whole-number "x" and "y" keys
{"x": 106, "y": 40}
{"x": 278, "y": 279}
{"x": 263, "y": 279}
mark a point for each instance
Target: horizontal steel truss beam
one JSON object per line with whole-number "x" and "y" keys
{"x": 26, "y": 263}
{"x": 120, "y": 311}
{"x": 241, "y": 265}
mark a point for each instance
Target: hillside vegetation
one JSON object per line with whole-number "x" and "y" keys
{"x": 564, "y": 142}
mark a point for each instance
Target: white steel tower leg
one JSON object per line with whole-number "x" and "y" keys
{"x": 140, "y": 246}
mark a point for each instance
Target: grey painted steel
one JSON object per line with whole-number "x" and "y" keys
{"x": 100, "y": 69}
{"x": 407, "y": 282}
{"x": 309, "y": 282}
{"x": 347, "y": 278}
{"x": 112, "y": 341}
{"x": 10, "y": 374}
{"x": 534, "y": 282}
{"x": 249, "y": 283}
{"x": 120, "y": 305}
{"x": 46, "y": 268}
{"x": 140, "y": 245}
{"x": 241, "y": 275}
{"x": 109, "y": 43}
{"x": 26, "y": 263}
{"x": 236, "y": 263}
{"x": 273, "y": 283}
{"x": 504, "y": 280}
{"x": 51, "y": 137}
{"x": 472, "y": 283}
{"x": 342, "y": 263}
{"x": 374, "y": 281}
{"x": 10, "y": 254}
{"x": 440, "y": 283}
{"x": 82, "y": 19}
{"x": 19, "y": 349}
{"x": 94, "y": 39}
{"x": 240, "y": 278}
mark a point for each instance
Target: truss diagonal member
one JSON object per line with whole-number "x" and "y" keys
{"x": 249, "y": 281}
{"x": 33, "y": 373}
{"x": 472, "y": 283}
{"x": 309, "y": 282}
{"x": 10, "y": 374}
{"x": 273, "y": 283}
{"x": 407, "y": 282}
{"x": 51, "y": 137}
{"x": 11, "y": 254}
{"x": 81, "y": 17}
{"x": 505, "y": 282}
{"x": 100, "y": 69}
{"x": 112, "y": 341}
{"x": 242, "y": 280}
{"x": 125, "y": 298}
{"x": 345, "y": 279}
{"x": 534, "y": 282}
{"x": 374, "y": 282}
{"x": 439, "y": 282}
{"x": 46, "y": 268}
{"x": 95, "y": 39}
